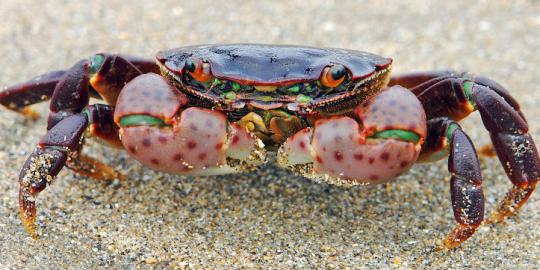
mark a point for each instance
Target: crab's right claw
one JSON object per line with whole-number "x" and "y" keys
{"x": 160, "y": 131}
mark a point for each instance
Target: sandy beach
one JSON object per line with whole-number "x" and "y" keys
{"x": 266, "y": 219}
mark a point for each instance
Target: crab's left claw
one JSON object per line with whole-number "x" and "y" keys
{"x": 340, "y": 150}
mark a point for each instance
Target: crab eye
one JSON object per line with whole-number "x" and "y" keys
{"x": 199, "y": 70}
{"x": 333, "y": 76}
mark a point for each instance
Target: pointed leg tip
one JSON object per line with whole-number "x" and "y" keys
{"x": 31, "y": 229}
{"x": 497, "y": 217}
{"x": 28, "y": 219}
{"x": 112, "y": 175}
{"x": 448, "y": 244}
{"x": 30, "y": 113}
{"x": 120, "y": 176}
{"x": 27, "y": 208}
{"x": 511, "y": 204}
{"x": 93, "y": 168}
{"x": 486, "y": 151}
{"x": 461, "y": 233}
{"x": 108, "y": 174}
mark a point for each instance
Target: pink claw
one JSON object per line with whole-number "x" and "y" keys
{"x": 192, "y": 141}
{"x": 394, "y": 108}
{"x": 340, "y": 151}
{"x": 149, "y": 94}
{"x": 197, "y": 145}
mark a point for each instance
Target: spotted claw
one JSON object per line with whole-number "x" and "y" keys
{"x": 340, "y": 150}
{"x": 171, "y": 138}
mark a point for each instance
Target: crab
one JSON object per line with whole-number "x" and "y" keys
{"x": 331, "y": 115}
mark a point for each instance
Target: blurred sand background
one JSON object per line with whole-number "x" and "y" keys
{"x": 267, "y": 219}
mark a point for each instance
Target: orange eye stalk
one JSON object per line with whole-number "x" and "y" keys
{"x": 199, "y": 70}
{"x": 333, "y": 76}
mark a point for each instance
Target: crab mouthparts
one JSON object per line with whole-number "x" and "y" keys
{"x": 265, "y": 88}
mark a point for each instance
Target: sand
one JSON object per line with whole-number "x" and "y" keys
{"x": 265, "y": 219}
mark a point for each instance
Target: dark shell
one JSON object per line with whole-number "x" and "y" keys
{"x": 272, "y": 64}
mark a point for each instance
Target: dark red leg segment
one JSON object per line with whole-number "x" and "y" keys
{"x": 39, "y": 89}
{"x": 411, "y": 80}
{"x": 106, "y": 76}
{"x": 102, "y": 126}
{"x": 465, "y": 188}
{"x": 61, "y": 146}
{"x": 514, "y": 146}
{"x": 145, "y": 65}
{"x": 456, "y": 96}
{"x": 466, "y": 179}
{"x": 109, "y": 74}
{"x": 36, "y": 90}
{"x": 444, "y": 97}
{"x": 435, "y": 146}
{"x": 45, "y": 162}
{"x": 70, "y": 94}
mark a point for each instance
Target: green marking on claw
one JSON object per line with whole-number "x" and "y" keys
{"x": 96, "y": 62}
{"x": 404, "y": 135}
{"x": 141, "y": 120}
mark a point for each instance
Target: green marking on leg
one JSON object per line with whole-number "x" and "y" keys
{"x": 450, "y": 130}
{"x": 404, "y": 135}
{"x": 96, "y": 61}
{"x": 141, "y": 120}
{"x": 443, "y": 152}
{"x": 467, "y": 88}
{"x": 88, "y": 115}
{"x": 267, "y": 117}
{"x": 88, "y": 130}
